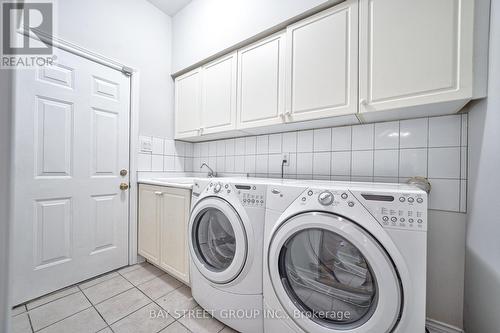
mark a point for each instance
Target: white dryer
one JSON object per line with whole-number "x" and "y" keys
{"x": 226, "y": 232}
{"x": 345, "y": 258}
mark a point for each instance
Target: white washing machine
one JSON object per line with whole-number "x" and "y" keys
{"x": 226, "y": 232}
{"x": 345, "y": 257}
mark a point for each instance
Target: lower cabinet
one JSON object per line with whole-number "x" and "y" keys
{"x": 163, "y": 228}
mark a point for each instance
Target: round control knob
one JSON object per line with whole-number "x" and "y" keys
{"x": 344, "y": 196}
{"x": 217, "y": 188}
{"x": 410, "y": 200}
{"x": 420, "y": 200}
{"x": 325, "y": 198}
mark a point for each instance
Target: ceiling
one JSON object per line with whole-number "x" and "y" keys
{"x": 170, "y": 7}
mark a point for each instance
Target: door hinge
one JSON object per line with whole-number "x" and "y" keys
{"x": 127, "y": 70}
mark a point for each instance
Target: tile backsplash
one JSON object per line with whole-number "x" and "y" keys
{"x": 435, "y": 148}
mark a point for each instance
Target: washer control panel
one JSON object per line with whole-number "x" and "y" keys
{"x": 327, "y": 198}
{"x": 250, "y": 195}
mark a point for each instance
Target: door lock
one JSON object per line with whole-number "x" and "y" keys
{"x": 123, "y": 172}
{"x": 123, "y": 186}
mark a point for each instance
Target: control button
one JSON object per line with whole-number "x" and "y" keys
{"x": 226, "y": 186}
{"x": 394, "y": 219}
{"x": 411, "y": 220}
{"x": 303, "y": 198}
{"x": 325, "y": 198}
{"x": 350, "y": 203}
{"x": 254, "y": 187}
{"x": 419, "y": 221}
{"x": 344, "y": 196}
{"x": 217, "y": 188}
{"x": 385, "y": 218}
{"x": 244, "y": 200}
{"x": 410, "y": 200}
{"x": 402, "y": 199}
{"x": 211, "y": 184}
{"x": 420, "y": 200}
{"x": 309, "y": 193}
{"x": 228, "y": 191}
{"x": 253, "y": 200}
{"x": 402, "y": 219}
{"x": 262, "y": 201}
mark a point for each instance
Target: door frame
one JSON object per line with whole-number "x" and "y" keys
{"x": 133, "y": 121}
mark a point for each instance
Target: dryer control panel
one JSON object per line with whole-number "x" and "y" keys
{"x": 403, "y": 210}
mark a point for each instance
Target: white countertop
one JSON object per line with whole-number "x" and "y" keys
{"x": 179, "y": 182}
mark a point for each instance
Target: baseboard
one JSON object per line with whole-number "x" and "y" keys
{"x": 435, "y": 326}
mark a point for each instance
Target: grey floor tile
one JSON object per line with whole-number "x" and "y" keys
{"x": 20, "y": 324}
{"x": 122, "y": 305}
{"x": 177, "y": 302}
{"x": 86, "y": 321}
{"x": 57, "y": 310}
{"x": 159, "y": 286}
{"x": 149, "y": 319}
{"x": 175, "y": 327}
{"x": 200, "y": 321}
{"x": 18, "y": 310}
{"x": 97, "y": 280}
{"x": 142, "y": 274}
{"x": 52, "y": 297}
{"x": 106, "y": 330}
{"x": 107, "y": 289}
{"x": 131, "y": 268}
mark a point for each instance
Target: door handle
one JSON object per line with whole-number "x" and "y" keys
{"x": 124, "y": 186}
{"x": 123, "y": 172}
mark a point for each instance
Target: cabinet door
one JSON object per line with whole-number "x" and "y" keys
{"x": 414, "y": 52}
{"x": 174, "y": 232}
{"x": 149, "y": 223}
{"x": 322, "y": 64}
{"x": 219, "y": 95}
{"x": 261, "y": 83}
{"x": 188, "y": 104}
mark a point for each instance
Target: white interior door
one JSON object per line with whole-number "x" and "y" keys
{"x": 71, "y": 141}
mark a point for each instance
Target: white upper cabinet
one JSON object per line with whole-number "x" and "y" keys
{"x": 261, "y": 83}
{"x": 322, "y": 64}
{"x": 188, "y": 104}
{"x": 218, "y": 106}
{"x": 415, "y": 55}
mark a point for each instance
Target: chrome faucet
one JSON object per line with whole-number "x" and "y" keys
{"x": 211, "y": 172}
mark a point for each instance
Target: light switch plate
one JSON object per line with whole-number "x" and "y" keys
{"x": 146, "y": 144}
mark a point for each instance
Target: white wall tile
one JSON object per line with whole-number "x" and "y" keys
{"x": 463, "y": 196}
{"x": 239, "y": 146}
{"x": 387, "y": 135}
{"x": 364, "y": 179}
{"x": 444, "y": 163}
{"x": 291, "y": 167}
{"x": 290, "y": 142}
{"x": 463, "y": 162}
{"x": 179, "y": 163}
{"x": 304, "y": 163}
{"x": 341, "y": 138}
{"x": 239, "y": 164}
{"x": 230, "y": 147}
{"x": 212, "y": 148}
{"x": 362, "y": 163}
{"x": 157, "y": 163}
{"x": 180, "y": 148}
{"x": 168, "y": 163}
{"x": 188, "y": 164}
{"x": 340, "y": 178}
{"x": 188, "y": 146}
{"x": 212, "y": 162}
{"x": 464, "y": 130}
{"x": 413, "y": 133}
{"x": 362, "y": 137}
{"x": 144, "y": 162}
{"x": 275, "y": 143}
{"x": 261, "y": 163}
{"x": 274, "y": 164}
{"x": 413, "y": 162}
{"x": 445, "y": 194}
{"x": 250, "y": 145}
{"x": 262, "y": 144}
{"x": 157, "y": 145}
{"x": 323, "y": 139}
{"x": 305, "y": 141}
{"x": 391, "y": 180}
{"x": 204, "y": 149}
{"x": 445, "y": 131}
{"x": 341, "y": 163}
{"x": 386, "y": 163}
{"x": 321, "y": 163}
{"x": 196, "y": 150}
{"x": 221, "y": 148}
{"x": 229, "y": 164}
{"x": 221, "y": 164}
{"x": 250, "y": 164}
{"x": 169, "y": 148}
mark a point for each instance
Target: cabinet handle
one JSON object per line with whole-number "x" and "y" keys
{"x": 363, "y": 102}
{"x": 158, "y": 193}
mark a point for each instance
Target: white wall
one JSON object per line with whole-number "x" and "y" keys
{"x": 133, "y": 32}
{"x": 206, "y": 27}
{"x": 482, "y": 271}
{"x": 5, "y": 163}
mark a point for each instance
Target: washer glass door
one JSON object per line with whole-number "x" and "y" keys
{"x": 214, "y": 239}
